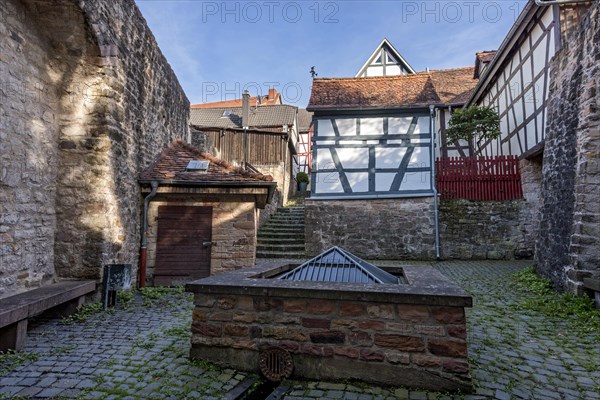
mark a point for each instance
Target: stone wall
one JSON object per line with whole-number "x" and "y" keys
{"x": 402, "y": 335}
{"x": 403, "y": 229}
{"x": 568, "y": 248}
{"x": 490, "y": 230}
{"x": 372, "y": 229}
{"x": 233, "y": 229}
{"x": 88, "y": 100}
{"x": 285, "y": 188}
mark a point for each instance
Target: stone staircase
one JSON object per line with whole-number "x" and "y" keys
{"x": 283, "y": 235}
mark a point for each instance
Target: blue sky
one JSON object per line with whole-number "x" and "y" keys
{"x": 219, "y": 48}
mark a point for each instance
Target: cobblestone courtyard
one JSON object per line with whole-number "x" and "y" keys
{"x": 140, "y": 352}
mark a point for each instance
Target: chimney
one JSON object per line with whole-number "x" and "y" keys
{"x": 272, "y": 92}
{"x": 245, "y": 109}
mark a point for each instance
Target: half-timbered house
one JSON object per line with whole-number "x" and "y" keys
{"x": 306, "y": 129}
{"x": 536, "y": 59}
{"x": 373, "y": 136}
{"x": 373, "y": 160}
{"x": 385, "y": 61}
{"x": 515, "y": 79}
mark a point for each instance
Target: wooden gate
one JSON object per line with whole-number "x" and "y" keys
{"x": 183, "y": 244}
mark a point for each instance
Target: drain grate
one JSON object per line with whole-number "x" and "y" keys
{"x": 276, "y": 364}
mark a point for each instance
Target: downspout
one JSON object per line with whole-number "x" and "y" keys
{"x": 144, "y": 244}
{"x": 433, "y": 185}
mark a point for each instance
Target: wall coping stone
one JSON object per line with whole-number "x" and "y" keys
{"x": 426, "y": 286}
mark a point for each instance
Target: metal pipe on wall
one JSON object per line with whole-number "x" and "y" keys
{"x": 433, "y": 184}
{"x": 144, "y": 243}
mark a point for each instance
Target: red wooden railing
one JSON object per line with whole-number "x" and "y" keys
{"x": 479, "y": 178}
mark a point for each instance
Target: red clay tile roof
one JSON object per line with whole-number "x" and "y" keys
{"x": 273, "y": 98}
{"x": 416, "y": 90}
{"x": 172, "y": 163}
{"x": 483, "y": 57}
{"x": 486, "y": 56}
{"x": 454, "y": 86}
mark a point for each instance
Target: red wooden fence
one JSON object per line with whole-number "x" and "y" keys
{"x": 479, "y": 178}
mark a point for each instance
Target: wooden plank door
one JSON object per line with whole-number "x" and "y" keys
{"x": 183, "y": 244}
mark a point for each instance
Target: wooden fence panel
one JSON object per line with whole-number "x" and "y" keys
{"x": 479, "y": 178}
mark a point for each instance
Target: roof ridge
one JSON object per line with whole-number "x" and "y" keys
{"x": 451, "y": 69}
{"x": 417, "y": 74}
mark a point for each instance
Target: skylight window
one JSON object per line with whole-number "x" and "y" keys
{"x": 227, "y": 113}
{"x": 198, "y": 166}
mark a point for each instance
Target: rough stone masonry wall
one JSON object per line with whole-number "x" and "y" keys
{"x": 491, "y": 230}
{"x": 417, "y": 345}
{"x": 88, "y": 100}
{"x": 404, "y": 228}
{"x": 372, "y": 229}
{"x": 568, "y": 248}
{"x": 233, "y": 229}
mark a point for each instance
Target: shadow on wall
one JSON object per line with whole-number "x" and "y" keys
{"x": 80, "y": 104}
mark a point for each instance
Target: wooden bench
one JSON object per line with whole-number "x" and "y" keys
{"x": 593, "y": 285}
{"x": 64, "y": 297}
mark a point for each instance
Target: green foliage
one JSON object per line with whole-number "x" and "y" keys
{"x": 161, "y": 295}
{"x": 474, "y": 124}
{"x": 182, "y": 332}
{"x": 125, "y": 297}
{"x": 86, "y": 311}
{"x": 203, "y": 364}
{"x": 302, "y": 177}
{"x": 543, "y": 299}
{"x": 11, "y": 359}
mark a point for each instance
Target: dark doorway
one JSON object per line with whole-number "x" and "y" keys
{"x": 183, "y": 244}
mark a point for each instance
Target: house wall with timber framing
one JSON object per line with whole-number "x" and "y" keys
{"x": 383, "y": 155}
{"x": 543, "y": 84}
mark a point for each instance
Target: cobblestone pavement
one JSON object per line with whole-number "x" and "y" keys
{"x": 141, "y": 353}
{"x": 135, "y": 353}
{"x": 513, "y": 354}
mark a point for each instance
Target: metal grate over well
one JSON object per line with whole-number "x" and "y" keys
{"x": 337, "y": 265}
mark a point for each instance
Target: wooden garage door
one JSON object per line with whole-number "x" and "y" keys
{"x": 183, "y": 244}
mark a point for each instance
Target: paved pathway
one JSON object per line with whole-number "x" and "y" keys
{"x": 135, "y": 353}
{"x": 140, "y": 353}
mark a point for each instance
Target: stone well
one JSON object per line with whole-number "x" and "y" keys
{"x": 411, "y": 334}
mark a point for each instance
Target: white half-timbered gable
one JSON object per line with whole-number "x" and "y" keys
{"x": 373, "y": 156}
{"x": 385, "y": 61}
{"x": 373, "y": 136}
{"x": 516, "y": 82}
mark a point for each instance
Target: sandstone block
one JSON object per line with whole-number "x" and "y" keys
{"x": 205, "y": 329}
{"x": 400, "y": 342}
{"x": 447, "y": 348}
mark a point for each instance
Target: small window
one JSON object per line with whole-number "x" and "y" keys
{"x": 227, "y": 113}
{"x": 390, "y": 59}
{"x": 378, "y": 60}
{"x": 198, "y": 165}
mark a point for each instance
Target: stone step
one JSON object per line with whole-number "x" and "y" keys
{"x": 282, "y": 228}
{"x": 280, "y": 236}
{"x": 283, "y": 239}
{"x": 284, "y": 248}
{"x": 291, "y": 210}
{"x": 276, "y": 254}
{"x": 286, "y": 220}
{"x": 295, "y": 213}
